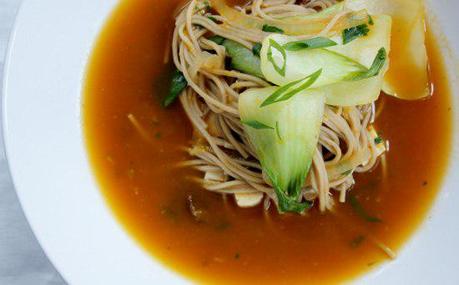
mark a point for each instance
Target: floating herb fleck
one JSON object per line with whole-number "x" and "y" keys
{"x": 358, "y": 208}
{"x": 353, "y": 33}
{"x": 313, "y": 43}
{"x": 272, "y": 29}
{"x": 281, "y": 50}
{"x": 357, "y": 241}
{"x": 257, "y": 125}
{"x": 347, "y": 172}
{"x": 178, "y": 84}
{"x": 291, "y": 89}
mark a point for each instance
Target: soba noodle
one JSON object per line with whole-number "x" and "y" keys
{"x": 220, "y": 148}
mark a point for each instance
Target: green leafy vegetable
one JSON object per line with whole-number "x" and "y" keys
{"x": 272, "y": 29}
{"x": 289, "y": 90}
{"x": 217, "y": 39}
{"x": 279, "y": 48}
{"x": 358, "y": 208}
{"x": 318, "y": 42}
{"x": 353, "y": 33}
{"x": 178, "y": 84}
{"x": 242, "y": 58}
{"x": 378, "y": 140}
{"x": 376, "y": 66}
{"x": 256, "y": 49}
{"x": 256, "y": 125}
{"x": 285, "y": 154}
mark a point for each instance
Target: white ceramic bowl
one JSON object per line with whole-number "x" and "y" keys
{"x": 44, "y": 72}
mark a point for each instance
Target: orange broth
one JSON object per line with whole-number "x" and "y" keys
{"x": 148, "y": 193}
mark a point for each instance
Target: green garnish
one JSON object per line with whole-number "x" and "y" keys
{"x": 278, "y": 131}
{"x": 378, "y": 140}
{"x": 256, "y": 49}
{"x": 212, "y": 18}
{"x": 376, "y": 66}
{"x": 279, "y": 48}
{"x": 178, "y": 84}
{"x": 291, "y": 89}
{"x": 358, "y": 208}
{"x": 242, "y": 58}
{"x": 217, "y": 39}
{"x": 347, "y": 172}
{"x": 357, "y": 241}
{"x": 318, "y": 42}
{"x": 272, "y": 29}
{"x": 257, "y": 125}
{"x": 353, "y": 33}
{"x": 370, "y": 20}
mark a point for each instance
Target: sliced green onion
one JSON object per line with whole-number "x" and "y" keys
{"x": 272, "y": 29}
{"x": 278, "y": 131}
{"x": 353, "y": 33}
{"x": 376, "y": 66}
{"x": 318, "y": 42}
{"x": 278, "y": 47}
{"x": 257, "y": 125}
{"x": 370, "y": 20}
{"x": 291, "y": 89}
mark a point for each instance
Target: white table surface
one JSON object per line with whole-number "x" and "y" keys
{"x": 22, "y": 261}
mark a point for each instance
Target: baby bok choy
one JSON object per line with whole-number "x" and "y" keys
{"x": 284, "y": 134}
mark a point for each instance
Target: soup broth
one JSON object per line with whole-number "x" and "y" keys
{"x": 151, "y": 196}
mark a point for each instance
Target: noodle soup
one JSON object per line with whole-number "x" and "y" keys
{"x": 136, "y": 148}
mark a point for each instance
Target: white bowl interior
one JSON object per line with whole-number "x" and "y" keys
{"x": 44, "y": 72}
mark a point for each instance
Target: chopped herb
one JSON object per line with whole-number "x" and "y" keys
{"x": 221, "y": 226}
{"x": 353, "y": 33}
{"x": 256, "y": 49}
{"x": 378, "y": 140}
{"x": 237, "y": 255}
{"x": 256, "y": 125}
{"x": 158, "y": 135}
{"x": 279, "y": 48}
{"x": 357, "y": 241}
{"x": 217, "y": 39}
{"x": 272, "y": 29}
{"x": 358, "y": 208}
{"x": 347, "y": 172}
{"x": 370, "y": 20}
{"x": 318, "y": 42}
{"x": 169, "y": 213}
{"x": 376, "y": 66}
{"x": 278, "y": 130}
{"x": 212, "y": 18}
{"x": 291, "y": 89}
{"x": 178, "y": 84}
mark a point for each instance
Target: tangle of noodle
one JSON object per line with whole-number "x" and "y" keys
{"x": 220, "y": 148}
